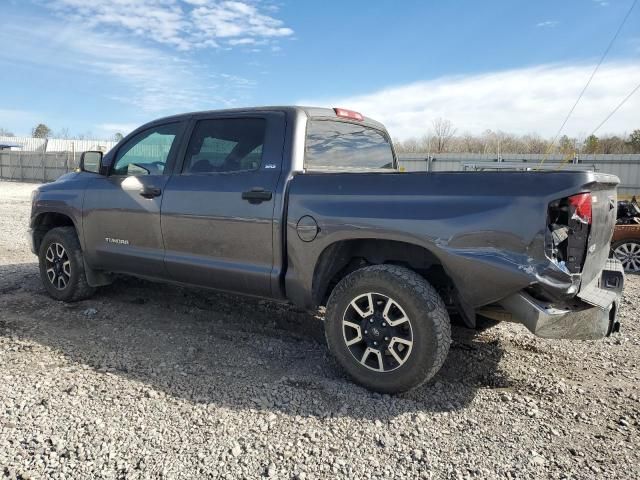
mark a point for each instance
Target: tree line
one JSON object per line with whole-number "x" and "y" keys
{"x": 444, "y": 138}
{"x": 41, "y": 130}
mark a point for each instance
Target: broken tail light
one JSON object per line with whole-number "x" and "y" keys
{"x": 569, "y": 223}
{"x": 582, "y": 205}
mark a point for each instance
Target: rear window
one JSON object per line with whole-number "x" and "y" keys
{"x": 341, "y": 145}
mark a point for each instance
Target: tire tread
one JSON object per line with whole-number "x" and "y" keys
{"x": 82, "y": 289}
{"x": 423, "y": 292}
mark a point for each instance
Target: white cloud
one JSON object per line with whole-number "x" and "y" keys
{"x": 236, "y": 19}
{"x": 548, "y": 24}
{"x": 148, "y": 79}
{"x": 242, "y": 41}
{"x": 183, "y": 24}
{"x": 522, "y": 101}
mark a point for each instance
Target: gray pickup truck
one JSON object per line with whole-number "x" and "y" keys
{"x": 308, "y": 205}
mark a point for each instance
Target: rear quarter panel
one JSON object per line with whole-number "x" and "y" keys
{"x": 486, "y": 228}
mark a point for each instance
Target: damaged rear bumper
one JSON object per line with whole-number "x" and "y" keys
{"x": 592, "y": 314}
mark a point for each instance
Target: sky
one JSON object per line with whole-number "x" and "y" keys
{"x": 99, "y": 67}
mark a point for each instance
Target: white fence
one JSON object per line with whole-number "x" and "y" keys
{"x": 31, "y": 144}
{"x": 36, "y": 167}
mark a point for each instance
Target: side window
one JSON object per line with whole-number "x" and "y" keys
{"x": 225, "y": 145}
{"x": 147, "y": 152}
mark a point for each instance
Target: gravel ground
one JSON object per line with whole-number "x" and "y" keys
{"x": 157, "y": 381}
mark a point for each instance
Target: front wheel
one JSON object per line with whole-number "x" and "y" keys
{"x": 62, "y": 266}
{"x": 388, "y": 328}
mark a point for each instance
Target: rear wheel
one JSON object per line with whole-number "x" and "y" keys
{"x": 628, "y": 252}
{"x": 62, "y": 266}
{"x": 388, "y": 328}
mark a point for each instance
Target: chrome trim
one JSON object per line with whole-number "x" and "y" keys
{"x": 579, "y": 322}
{"x": 298, "y": 143}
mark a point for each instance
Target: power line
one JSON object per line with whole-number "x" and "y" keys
{"x": 624, "y": 100}
{"x": 616, "y": 109}
{"x": 606, "y": 52}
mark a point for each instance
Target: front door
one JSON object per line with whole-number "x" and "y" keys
{"x": 122, "y": 210}
{"x": 217, "y": 213}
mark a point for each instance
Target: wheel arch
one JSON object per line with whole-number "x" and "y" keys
{"x": 342, "y": 257}
{"x": 47, "y": 221}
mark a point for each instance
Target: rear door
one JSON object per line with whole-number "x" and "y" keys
{"x": 121, "y": 211}
{"x": 218, "y": 209}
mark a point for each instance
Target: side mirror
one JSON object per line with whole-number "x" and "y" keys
{"x": 91, "y": 162}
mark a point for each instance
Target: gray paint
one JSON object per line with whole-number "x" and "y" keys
{"x": 486, "y": 228}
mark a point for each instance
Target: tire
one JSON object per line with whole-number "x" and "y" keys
{"x": 628, "y": 252}
{"x": 419, "y": 348}
{"x": 62, "y": 266}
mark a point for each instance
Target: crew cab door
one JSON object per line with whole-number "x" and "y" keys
{"x": 121, "y": 211}
{"x": 218, "y": 209}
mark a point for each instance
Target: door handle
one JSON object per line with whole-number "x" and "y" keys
{"x": 257, "y": 195}
{"x": 150, "y": 192}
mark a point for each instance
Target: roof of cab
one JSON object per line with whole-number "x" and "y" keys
{"x": 311, "y": 112}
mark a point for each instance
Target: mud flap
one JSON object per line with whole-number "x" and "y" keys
{"x": 467, "y": 313}
{"x": 96, "y": 278}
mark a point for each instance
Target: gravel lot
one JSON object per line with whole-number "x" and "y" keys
{"x": 156, "y": 381}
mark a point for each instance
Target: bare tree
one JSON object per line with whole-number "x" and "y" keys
{"x": 410, "y": 145}
{"x": 443, "y": 132}
{"x": 6, "y": 133}
{"x": 612, "y": 144}
{"x": 534, "y": 144}
{"x": 471, "y": 144}
{"x": 442, "y": 138}
{"x": 63, "y": 133}
{"x": 88, "y": 135}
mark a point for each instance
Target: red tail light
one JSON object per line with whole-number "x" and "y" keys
{"x": 582, "y": 205}
{"x": 344, "y": 113}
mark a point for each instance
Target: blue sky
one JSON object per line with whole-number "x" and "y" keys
{"x": 104, "y": 66}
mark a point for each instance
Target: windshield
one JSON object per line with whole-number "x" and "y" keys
{"x": 341, "y": 145}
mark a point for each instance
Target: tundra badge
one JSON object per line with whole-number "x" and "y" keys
{"x": 119, "y": 241}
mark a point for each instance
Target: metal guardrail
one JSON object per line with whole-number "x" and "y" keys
{"x": 625, "y": 166}
{"x": 527, "y": 167}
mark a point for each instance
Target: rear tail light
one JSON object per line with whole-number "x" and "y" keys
{"x": 344, "y": 113}
{"x": 569, "y": 224}
{"x": 581, "y": 204}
